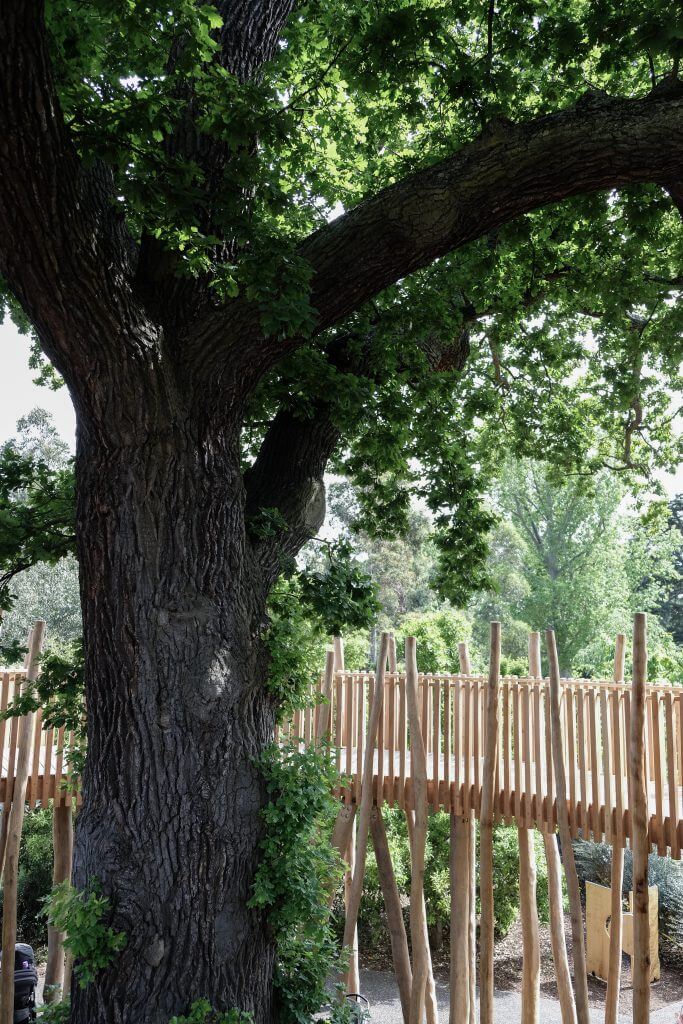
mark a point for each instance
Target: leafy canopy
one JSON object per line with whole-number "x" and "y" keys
{"x": 556, "y": 337}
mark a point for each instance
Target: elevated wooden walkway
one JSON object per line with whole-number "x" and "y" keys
{"x": 596, "y": 723}
{"x": 595, "y": 716}
{"x": 49, "y": 778}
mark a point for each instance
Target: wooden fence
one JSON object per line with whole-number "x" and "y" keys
{"x": 596, "y": 718}
{"x": 49, "y": 777}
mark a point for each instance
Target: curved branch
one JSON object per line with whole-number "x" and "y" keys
{"x": 600, "y": 143}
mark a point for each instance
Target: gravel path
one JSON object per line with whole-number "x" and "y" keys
{"x": 380, "y": 988}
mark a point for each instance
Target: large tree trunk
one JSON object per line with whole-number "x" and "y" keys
{"x": 175, "y": 663}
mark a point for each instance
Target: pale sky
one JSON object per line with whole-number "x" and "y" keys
{"x": 18, "y": 395}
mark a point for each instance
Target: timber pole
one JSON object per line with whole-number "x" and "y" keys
{"x": 418, "y": 918}
{"x": 616, "y": 884}
{"x": 470, "y": 830}
{"x": 459, "y": 869}
{"x": 62, "y": 839}
{"x": 365, "y": 809}
{"x": 641, "y": 848}
{"x": 531, "y": 943}
{"x": 15, "y": 825}
{"x": 353, "y": 975}
{"x": 578, "y": 940}
{"x": 486, "y": 830}
{"x": 392, "y": 903}
{"x": 558, "y": 939}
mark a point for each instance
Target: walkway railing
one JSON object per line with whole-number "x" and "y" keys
{"x": 49, "y": 777}
{"x": 596, "y": 727}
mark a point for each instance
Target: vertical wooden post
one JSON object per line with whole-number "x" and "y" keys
{"x": 557, "y": 936}
{"x": 460, "y": 919}
{"x": 418, "y": 922}
{"x": 531, "y": 943}
{"x": 392, "y": 903}
{"x": 469, "y": 827}
{"x": 535, "y": 655}
{"x": 62, "y": 837}
{"x": 640, "y": 965}
{"x": 365, "y": 809}
{"x": 353, "y": 975}
{"x": 531, "y": 958}
{"x": 616, "y": 881}
{"x": 322, "y": 725}
{"x": 578, "y": 940}
{"x": 486, "y": 831}
{"x": 16, "y": 821}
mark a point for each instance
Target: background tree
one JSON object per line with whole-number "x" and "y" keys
{"x": 571, "y": 555}
{"x": 671, "y": 607}
{"x": 171, "y": 179}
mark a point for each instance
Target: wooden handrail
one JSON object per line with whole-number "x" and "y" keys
{"x": 595, "y": 716}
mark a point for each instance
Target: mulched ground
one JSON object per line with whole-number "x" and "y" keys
{"x": 508, "y": 971}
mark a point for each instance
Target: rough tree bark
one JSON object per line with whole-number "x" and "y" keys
{"x": 173, "y": 589}
{"x": 173, "y": 619}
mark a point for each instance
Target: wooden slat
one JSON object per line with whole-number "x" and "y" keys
{"x": 457, "y": 731}
{"x": 436, "y": 741}
{"x": 478, "y": 748}
{"x": 615, "y": 700}
{"x": 671, "y": 774}
{"x": 538, "y": 755}
{"x": 526, "y": 753}
{"x": 506, "y": 723}
{"x": 402, "y": 740}
{"x": 447, "y": 722}
{"x": 48, "y": 788}
{"x": 517, "y": 753}
{"x": 606, "y": 763}
{"x": 657, "y": 753}
{"x": 33, "y": 781}
{"x": 571, "y": 757}
{"x": 468, "y": 744}
{"x": 583, "y": 757}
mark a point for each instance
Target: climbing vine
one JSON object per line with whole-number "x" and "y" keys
{"x": 297, "y": 870}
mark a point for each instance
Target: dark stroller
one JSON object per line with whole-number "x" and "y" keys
{"x": 25, "y": 981}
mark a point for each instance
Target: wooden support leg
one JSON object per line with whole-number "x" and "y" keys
{"x": 62, "y": 835}
{"x": 640, "y": 963}
{"x": 365, "y": 809}
{"x": 341, "y": 836}
{"x": 531, "y": 963}
{"x": 352, "y": 978}
{"x": 460, "y": 920}
{"x": 428, "y": 1004}
{"x": 486, "y": 831}
{"x": 615, "y": 937}
{"x": 557, "y": 936}
{"x": 14, "y": 830}
{"x": 472, "y": 924}
{"x": 392, "y": 903}
{"x": 576, "y": 913}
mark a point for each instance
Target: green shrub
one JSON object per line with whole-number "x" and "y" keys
{"x": 298, "y": 869}
{"x": 82, "y": 916}
{"x": 35, "y": 876}
{"x": 55, "y": 1013}
{"x": 202, "y": 1013}
{"x": 594, "y": 864}
{"x": 437, "y": 878}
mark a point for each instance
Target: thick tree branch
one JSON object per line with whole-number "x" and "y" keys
{"x": 601, "y": 143}
{"x": 64, "y": 250}
{"x": 288, "y": 476}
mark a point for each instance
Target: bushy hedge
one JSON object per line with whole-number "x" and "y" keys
{"x": 372, "y": 922}
{"x": 35, "y": 877}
